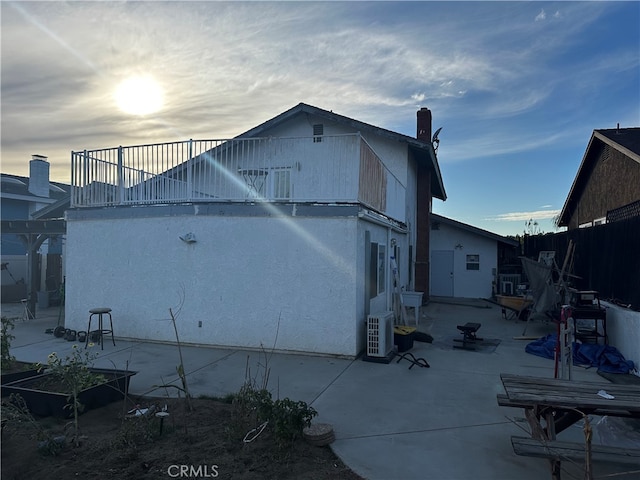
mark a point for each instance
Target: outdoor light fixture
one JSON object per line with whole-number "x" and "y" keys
{"x": 188, "y": 237}
{"x": 459, "y": 246}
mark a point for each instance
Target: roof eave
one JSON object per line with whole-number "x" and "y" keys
{"x": 476, "y": 230}
{"x": 565, "y": 213}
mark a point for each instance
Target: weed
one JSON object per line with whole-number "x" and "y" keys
{"x": 75, "y": 375}
{"x": 5, "y": 342}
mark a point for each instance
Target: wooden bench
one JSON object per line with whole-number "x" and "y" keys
{"x": 555, "y": 449}
{"x": 469, "y": 337}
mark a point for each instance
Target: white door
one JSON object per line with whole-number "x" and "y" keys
{"x": 442, "y": 273}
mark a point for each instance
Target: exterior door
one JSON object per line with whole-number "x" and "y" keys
{"x": 442, "y": 273}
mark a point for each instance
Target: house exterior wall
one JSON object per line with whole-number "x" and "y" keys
{"x": 13, "y": 210}
{"x": 392, "y": 153}
{"x": 259, "y": 267}
{"x": 623, "y": 331}
{"x": 288, "y": 281}
{"x": 614, "y": 182}
{"x": 467, "y": 283}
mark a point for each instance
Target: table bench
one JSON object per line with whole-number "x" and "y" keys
{"x": 552, "y": 405}
{"x": 575, "y": 451}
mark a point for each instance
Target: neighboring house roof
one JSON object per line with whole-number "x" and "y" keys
{"x": 423, "y": 151}
{"x": 17, "y": 187}
{"x": 625, "y": 140}
{"x": 474, "y": 230}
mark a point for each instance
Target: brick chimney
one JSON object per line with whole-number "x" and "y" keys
{"x": 424, "y": 125}
{"x": 423, "y": 210}
{"x": 39, "y": 176}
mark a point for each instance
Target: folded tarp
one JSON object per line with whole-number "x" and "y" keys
{"x": 605, "y": 357}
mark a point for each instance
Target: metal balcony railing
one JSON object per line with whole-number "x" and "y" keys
{"x": 327, "y": 169}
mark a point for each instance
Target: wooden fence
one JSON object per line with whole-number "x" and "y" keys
{"x": 606, "y": 258}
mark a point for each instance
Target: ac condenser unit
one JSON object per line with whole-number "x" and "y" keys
{"x": 379, "y": 334}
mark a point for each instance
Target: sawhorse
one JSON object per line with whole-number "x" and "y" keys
{"x": 469, "y": 337}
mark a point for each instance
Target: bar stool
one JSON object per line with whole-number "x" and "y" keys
{"x": 101, "y": 330}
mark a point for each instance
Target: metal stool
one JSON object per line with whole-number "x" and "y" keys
{"x": 26, "y": 313}
{"x": 101, "y": 330}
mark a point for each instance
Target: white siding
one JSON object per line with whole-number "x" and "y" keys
{"x": 467, "y": 283}
{"x": 241, "y": 277}
{"x": 623, "y": 331}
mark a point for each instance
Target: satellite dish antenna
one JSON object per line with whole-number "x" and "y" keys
{"x": 435, "y": 140}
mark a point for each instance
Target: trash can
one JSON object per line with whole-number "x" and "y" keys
{"x": 403, "y": 337}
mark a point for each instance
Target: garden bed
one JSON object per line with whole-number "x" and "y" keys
{"x": 17, "y": 371}
{"x": 45, "y": 398}
{"x": 114, "y": 446}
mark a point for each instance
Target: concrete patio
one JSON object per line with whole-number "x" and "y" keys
{"x": 391, "y": 422}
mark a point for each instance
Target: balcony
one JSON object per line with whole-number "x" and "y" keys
{"x": 326, "y": 169}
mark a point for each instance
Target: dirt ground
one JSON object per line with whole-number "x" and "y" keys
{"x": 205, "y": 443}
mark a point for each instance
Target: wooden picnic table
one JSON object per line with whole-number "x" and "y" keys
{"x": 552, "y": 405}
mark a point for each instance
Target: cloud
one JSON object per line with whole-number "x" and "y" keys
{"x": 524, "y": 216}
{"x": 226, "y": 67}
{"x": 541, "y": 16}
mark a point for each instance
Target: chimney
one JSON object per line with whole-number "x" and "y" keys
{"x": 424, "y": 125}
{"x": 39, "y": 176}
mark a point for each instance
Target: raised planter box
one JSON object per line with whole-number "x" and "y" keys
{"x": 45, "y": 403}
{"x": 17, "y": 374}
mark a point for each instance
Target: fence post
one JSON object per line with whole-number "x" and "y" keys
{"x": 85, "y": 179}
{"x": 74, "y": 190}
{"x": 190, "y": 171}
{"x": 120, "y": 177}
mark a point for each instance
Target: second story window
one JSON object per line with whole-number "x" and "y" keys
{"x": 318, "y": 131}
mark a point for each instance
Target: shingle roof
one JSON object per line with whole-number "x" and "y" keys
{"x": 475, "y": 230}
{"x": 625, "y": 140}
{"x": 17, "y": 185}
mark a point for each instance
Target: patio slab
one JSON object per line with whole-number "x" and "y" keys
{"x": 391, "y": 422}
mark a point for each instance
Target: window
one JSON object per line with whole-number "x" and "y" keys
{"x": 281, "y": 186}
{"x": 381, "y": 268}
{"x": 377, "y": 269}
{"x": 473, "y": 262}
{"x": 318, "y": 131}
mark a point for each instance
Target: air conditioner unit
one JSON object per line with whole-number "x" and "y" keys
{"x": 379, "y": 334}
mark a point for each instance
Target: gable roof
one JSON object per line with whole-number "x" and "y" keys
{"x": 423, "y": 151}
{"x": 15, "y": 186}
{"x": 474, "y": 230}
{"x": 625, "y": 140}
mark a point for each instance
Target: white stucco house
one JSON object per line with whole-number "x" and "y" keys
{"x": 280, "y": 237}
{"x": 466, "y": 261}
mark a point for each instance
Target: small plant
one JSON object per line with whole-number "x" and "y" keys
{"x": 74, "y": 373}
{"x": 180, "y": 368}
{"x": 285, "y": 417}
{"x": 7, "y": 337}
{"x": 289, "y": 418}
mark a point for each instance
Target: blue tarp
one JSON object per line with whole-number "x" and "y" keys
{"x": 606, "y": 358}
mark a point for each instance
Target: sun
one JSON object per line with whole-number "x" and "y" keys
{"x": 139, "y": 95}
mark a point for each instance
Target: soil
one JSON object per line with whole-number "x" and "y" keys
{"x": 204, "y": 443}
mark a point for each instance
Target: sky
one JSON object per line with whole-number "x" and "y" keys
{"x": 517, "y": 87}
